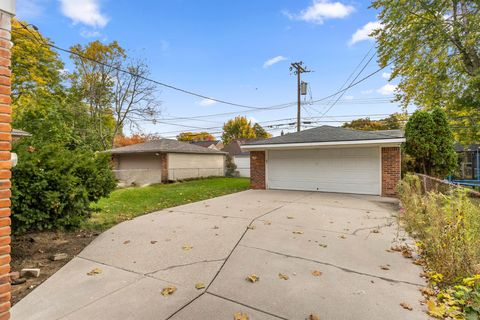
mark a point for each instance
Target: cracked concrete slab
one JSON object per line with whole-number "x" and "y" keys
{"x": 140, "y": 256}
{"x": 141, "y": 300}
{"x": 212, "y": 307}
{"x": 335, "y": 294}
{"x": 71, "y": 289}
{"x": 129, "y": 244}
{"x": 366, "y": 255}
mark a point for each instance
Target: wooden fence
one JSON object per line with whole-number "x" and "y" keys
{"x": 438, "y": 185}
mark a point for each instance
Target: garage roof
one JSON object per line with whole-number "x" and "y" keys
{"x": 164, "y": 145}
{"x": 330, "y": 134}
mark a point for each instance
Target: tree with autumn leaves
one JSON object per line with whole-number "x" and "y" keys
{"x": 242, "y": 128}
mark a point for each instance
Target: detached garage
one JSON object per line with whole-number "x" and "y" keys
{"x": 165, "y": 160}
{"x": 328, "y": 159}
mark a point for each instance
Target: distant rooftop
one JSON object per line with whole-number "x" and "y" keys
{"x": 163, "y": 145}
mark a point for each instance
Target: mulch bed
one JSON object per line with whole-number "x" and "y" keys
{"x": 34, "y": 250}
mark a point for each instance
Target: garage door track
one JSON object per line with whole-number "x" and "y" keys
{"x": 313, "y": 253}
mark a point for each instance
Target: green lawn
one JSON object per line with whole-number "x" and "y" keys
{"x": 124, "y": 204}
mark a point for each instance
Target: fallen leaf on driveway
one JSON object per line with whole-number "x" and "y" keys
{"x": 126, "y": 242}
{"x": 289, "y": 217}
{"x": 313, "y": 317}
{"x": 187, "y": 247}
{"x": 267, "y": 223}
{"x": 406, "y": 306}
{"x": 251, "y": 227}
{"x": 322, "y": 245}
{"x": 427, "y": 291}
{"x": 253, "y": 278}
{"x": 168, "y": 290}
{"x": 375, "y": 231}
{"x": 199, "y": 285}
{"x": 153, "y": 241}
{"x": 283, "y": 276}
{"x": 215, "y": 227}
{"x": 297, "y": 232}
{"x": 384, "y": 268}
{"x": 94, "y": 272}
{"x": 316, "y": 273}
{"x": 343, "y": 237}
{"x": 240, "y": 316}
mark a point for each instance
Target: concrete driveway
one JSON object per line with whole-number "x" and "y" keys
{"x": 219, "y": 242}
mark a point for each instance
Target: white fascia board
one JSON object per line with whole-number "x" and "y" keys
{"x": 392, "y": 142}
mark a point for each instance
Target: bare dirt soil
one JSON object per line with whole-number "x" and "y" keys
{"x": 34, "y": 250}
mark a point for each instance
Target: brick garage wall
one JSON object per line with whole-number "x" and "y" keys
{"x": 257, "y": 170}
{"x": 391, "y": 174}
{"x": 5, "y": 164}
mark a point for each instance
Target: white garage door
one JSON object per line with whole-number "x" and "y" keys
{"x": 347, "y": 170}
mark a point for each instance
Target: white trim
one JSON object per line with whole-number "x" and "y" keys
{"x": 381, "y": 170}
{"x": 266, "y": 170}
{"x": 322, "y": 144}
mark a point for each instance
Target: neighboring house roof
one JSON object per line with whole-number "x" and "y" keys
{"x": 20, "y": 133}
{"x": 205, "y": 144}
{"x": 329, "y": 134}
{"x": 234, "y": 148}
{"x": 163, "y": 145}
{"x": 471, "y": 147}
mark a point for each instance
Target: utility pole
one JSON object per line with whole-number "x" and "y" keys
{"x": 297, "y": 68}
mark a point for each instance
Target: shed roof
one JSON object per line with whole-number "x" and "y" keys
{"x": 330, "y": 134}
{"x": 164, "y": 145}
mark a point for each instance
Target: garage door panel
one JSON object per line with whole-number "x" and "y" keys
{"x": 349, "y": 170}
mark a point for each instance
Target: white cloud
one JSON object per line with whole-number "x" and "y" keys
{"x": 387, "y": 89}
{"x": 85, "y": 12}
{"x": 207, "y": 102}
{"x": 364, "y": 33}
{"x": 90, "y": 33}
{"x": 386, "y": 75}
{"x": 321, "y": 10}
{"x": 274, "y": 60}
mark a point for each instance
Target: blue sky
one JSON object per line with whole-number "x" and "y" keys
{"x": 238, "y": 51}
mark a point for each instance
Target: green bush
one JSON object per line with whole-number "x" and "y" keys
{"x": 230, "y": 166}
{"x": 447, "y": 225}
{"x": 52, "y": 187}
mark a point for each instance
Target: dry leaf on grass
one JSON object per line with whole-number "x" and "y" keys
{"x": 168, "y": 290}
{"x": 283, "y": 276}
{"x": 240, "y": 316}
{"x": 406, "y": 306}
{"x": 434, "y": 310}
{"x": 199, "y": 285}
{"x": 94, "y": 272}
{"x": 316, "y": 273}
{"x": 313, "y": 317}
{"x": 253, "y": 278}
{"x": 187, "y": 247}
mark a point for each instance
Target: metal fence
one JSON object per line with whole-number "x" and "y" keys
{"x": 443, "y": 186}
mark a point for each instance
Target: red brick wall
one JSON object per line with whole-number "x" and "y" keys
{"x": 391, "y": 166}
{"x": 164, "y": 162}
{"x": 257, "y": 170}
{"x": 5, "y": 164}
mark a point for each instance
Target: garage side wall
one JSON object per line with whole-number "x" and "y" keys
{"x": 391, "y": 170}
{"x": 187, "y": 165}
{"x": 138, "y": 168}
{"x": 257, "y": 170}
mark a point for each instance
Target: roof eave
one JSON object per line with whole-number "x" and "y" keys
{"x": 160, "y": 151}
{"x": 303, "y": 145}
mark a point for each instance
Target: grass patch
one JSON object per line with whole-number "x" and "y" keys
{"x": 124, "y": 204}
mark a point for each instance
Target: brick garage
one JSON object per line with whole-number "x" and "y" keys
{"x": 328, "y": 159}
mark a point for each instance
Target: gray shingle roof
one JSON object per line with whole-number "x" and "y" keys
{"x": 164, "y": 145}
{"x": 330, "y": 134}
